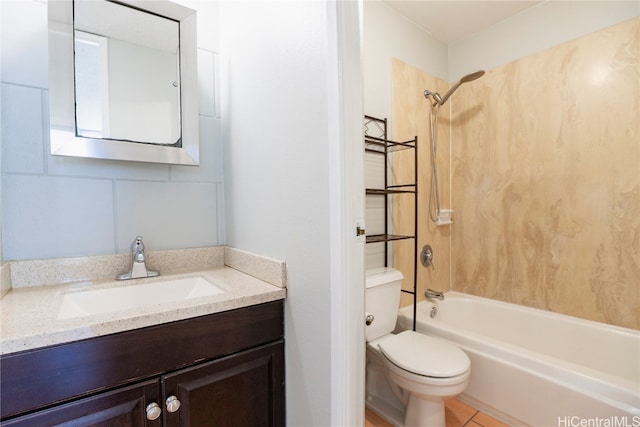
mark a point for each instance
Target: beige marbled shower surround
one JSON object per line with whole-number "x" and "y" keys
{"x": 543, "y": 176}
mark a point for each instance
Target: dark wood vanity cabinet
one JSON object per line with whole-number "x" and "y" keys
{"x": 122, "y": 407}
{"x": 224, "y": 369}
{"x": 235, "y": 391}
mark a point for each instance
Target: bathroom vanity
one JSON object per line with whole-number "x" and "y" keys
{"x": 202, "y": 359}
{"x": 223, "y": 369}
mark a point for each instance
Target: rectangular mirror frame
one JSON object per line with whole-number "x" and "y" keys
{"x": 64, "y": 141}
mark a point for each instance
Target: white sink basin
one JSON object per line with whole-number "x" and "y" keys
{"x": 85, "y": 303}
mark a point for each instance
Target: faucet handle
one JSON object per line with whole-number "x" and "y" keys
{"x": 426, "y": 257}
{"x": 138, "y": 249}
{"x": 137, "y": 244}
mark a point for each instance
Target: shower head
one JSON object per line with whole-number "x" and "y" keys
{"x": 471, "y": 77}
{"x": 468, "y": 78}
{"x": 442, "y": 99}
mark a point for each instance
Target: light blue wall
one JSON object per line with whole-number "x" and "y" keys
{"x": 64, "y": 207}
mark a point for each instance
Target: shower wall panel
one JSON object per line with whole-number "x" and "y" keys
{"x": 546, "y": 180}
{"x": 410, "y": 117}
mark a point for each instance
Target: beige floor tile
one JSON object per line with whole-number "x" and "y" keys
{"x": 453, "y": 419}
{"x": 457, "y": 413}
{"x": 460, "y": 407}
{"x": 374, "y": 420}
{"x": 487, "y": 421}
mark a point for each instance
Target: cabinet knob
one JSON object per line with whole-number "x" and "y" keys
{"x": 173, "y": 404}
{"x": 153, "y": 411}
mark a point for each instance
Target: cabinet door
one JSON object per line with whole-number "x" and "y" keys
{"x": 123, "y": 407}
{"x": 245, "y": 389}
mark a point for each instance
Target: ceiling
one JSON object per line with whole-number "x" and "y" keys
{"x": 452, "y": 20}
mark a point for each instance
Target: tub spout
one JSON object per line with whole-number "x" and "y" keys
{"x": 431, "y": 294}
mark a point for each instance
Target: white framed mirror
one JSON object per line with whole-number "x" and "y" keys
{"x": 123, "y": 81}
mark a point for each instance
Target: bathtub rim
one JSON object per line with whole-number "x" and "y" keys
{"x": 552, "y": 314}
{"x": 616, "y": 391}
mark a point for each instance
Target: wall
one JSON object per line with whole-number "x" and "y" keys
{"x": 64, "y": 207}
{"x": 536, "y": 29}
{"x": 506, "y": 132}
{"x": 388, "y": 35}
{"x": 546, "y": 153}
{"x": 286, "y": 171}
{"x": 4, "y": 268}
{"x": 546, "y": 213}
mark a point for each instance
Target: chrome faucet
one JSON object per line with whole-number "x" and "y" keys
{"x": 430, "y": 293}
{"x": 138, "y": 269}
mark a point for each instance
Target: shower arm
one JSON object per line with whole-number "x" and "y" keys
{"x": 437, "y": 100}
{"x": 447, "y": 95}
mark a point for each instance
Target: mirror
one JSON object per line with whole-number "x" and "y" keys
{"x": 123, "y": 81}
{"x": 113, "y": 99}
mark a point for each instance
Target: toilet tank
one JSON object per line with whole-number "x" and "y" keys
{"x": 382, "y": 298}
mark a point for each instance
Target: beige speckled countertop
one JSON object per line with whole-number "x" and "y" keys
{"x": 29, "y": 315}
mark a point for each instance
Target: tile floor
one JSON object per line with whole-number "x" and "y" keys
{"x": 457, "y": 413}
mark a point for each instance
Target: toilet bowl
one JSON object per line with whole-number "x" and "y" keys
{"x": 429, "y": 370}
{"x": 421, "y": 371}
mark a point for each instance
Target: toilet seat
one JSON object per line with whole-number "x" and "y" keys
{"x": 424, "y": 355}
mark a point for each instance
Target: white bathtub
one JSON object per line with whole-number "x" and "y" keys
{"x": 533, "y": 367}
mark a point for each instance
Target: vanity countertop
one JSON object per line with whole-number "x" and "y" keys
{"x": 29, "y": 316}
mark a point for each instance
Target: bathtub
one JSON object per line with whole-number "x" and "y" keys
{"x": 538, "y": 368}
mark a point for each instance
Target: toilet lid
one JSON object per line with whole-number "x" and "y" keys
{"x": 425, "y": 355}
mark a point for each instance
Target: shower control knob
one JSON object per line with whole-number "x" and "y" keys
{"x": 426, "y": 257}
{"x": 173, "y": 404}
{"x": 369, "y": 319}
{"x": 153, "y": 411}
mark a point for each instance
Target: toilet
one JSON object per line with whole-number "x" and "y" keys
{"x": 409, "y": 375}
